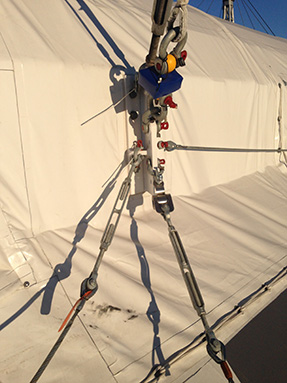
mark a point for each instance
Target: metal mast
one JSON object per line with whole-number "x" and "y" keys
{"x": 228, "y": 10}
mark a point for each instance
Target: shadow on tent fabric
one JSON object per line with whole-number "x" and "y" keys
{"x": 157, "y": 369}
{"x": 118, "y": 85}
{"x": 153, "y": 312}
{"x": 118, "y": 52}
{"x": 99, "y": 45}
{"x": 63, "y": 270}
{"x": 255, "y": 294}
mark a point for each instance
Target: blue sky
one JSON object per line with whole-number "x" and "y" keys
{"x": 274, "y": 13}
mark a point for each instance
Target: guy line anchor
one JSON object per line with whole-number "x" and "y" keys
{"x": 157, "y": 80}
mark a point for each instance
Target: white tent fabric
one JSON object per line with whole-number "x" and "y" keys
{"x": 66, "y": 67}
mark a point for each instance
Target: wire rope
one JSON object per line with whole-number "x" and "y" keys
{"x": 246, "y": 10}
{"x": 221, "y": 322}
{"x": 170, "y": 146}
{"x": 220, "y": 16}
{"x": 54, "y": 349}
{"x": 250, "y": 9}
{"x": 261, "y": 17}
{"x": 200, "y": 4}
{"x": 239, "y": 9}
{"x": 212, "y": 1}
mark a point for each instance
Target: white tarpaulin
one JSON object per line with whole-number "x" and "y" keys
{"x": 66, "y": 67}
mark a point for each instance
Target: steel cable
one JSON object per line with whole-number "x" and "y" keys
{"x": 170, "y": 146}
{"x": 261, "y": 18}
{"x": 54, "y": 349}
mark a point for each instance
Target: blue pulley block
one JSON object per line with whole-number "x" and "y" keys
{"x": 158, "y": 85}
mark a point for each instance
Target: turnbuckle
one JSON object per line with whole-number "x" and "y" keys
{"x": 90, "y": 283}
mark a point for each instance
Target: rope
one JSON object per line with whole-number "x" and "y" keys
{"x": 246, "y": 10}
{"x": 262, "y": 25}
{"x": 54, "y": 349}
{"x": 238, "y": 309}
{"x": 261, "y": 18}
{"x": 87, "y": 292}
{"x": 199, "y": 340}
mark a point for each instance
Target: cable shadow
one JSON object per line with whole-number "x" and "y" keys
{"x": 153, "y": 312}
{"x": 21, "y": 310}
{"x": 115, "y": 75}
{"x": 237, "y": 309}
{"x": 99, "y": 45}
{"x": 157, "y": 370}
{"x": 118, "y": 52}
{"x": 63, "y": 270}
{"x": 115, "y": 72}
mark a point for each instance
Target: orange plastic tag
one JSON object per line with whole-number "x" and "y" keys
{"x": 73, "y": 308}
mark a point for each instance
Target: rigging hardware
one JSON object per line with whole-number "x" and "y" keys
{"x": 170, "y": 146}
{"x": 89, "y": 286}
{"x": 158, "y": 75}
{"x": 163, "y": 204}
{"x": 160, "y": 14}
{"x": 228, "y": 10}
{"x": 159, "y": 79}
{"x": 91, "y": 282}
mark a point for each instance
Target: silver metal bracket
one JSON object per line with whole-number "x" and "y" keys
{"x": 161, "y": 201}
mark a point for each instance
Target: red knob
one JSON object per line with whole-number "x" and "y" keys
{"x": 183, "y": 55}
{"x": 164, "y": 125}
{"x": 169, "y": 101}
{"x": 139, "y": 143}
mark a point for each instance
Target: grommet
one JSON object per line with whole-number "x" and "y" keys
{"x": 134, "y": 115}
{"x": 133, "y": 94}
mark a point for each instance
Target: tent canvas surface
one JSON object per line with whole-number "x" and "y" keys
{"x": 63, "y": 62}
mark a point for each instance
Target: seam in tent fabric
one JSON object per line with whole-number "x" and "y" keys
{"x": 21, "y": 140}
{"x": 23, "y": 156}
{"x": 115, "y": 358}
{"x": 70, "y": 302}
{"x": 221, "y": 322}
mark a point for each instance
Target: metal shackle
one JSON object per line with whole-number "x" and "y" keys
{"x": 167, "y": 62}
